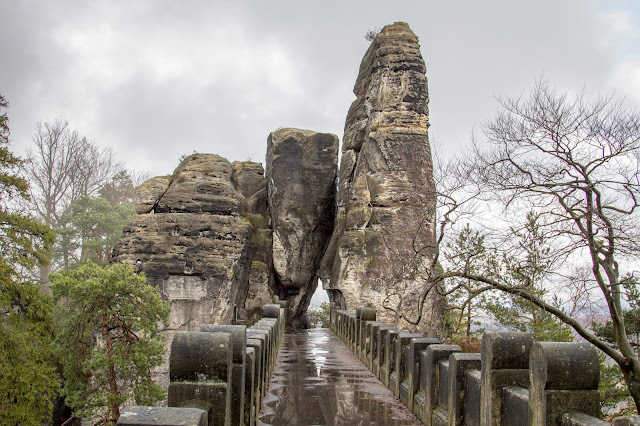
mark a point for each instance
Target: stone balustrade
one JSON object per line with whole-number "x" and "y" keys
{"x": 218, "y": 375}
{"x": 513, "y": 381}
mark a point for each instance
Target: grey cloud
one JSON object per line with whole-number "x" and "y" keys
{"x": 473, "y": 51}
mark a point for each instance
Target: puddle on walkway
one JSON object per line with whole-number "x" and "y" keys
{"x": 318, "y": 381}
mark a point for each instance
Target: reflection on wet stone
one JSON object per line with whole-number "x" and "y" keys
{"x": 318, "y": 381}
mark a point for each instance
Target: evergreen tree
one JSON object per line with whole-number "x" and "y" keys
{"x": 92, "y": 225}
{"x": 28, "y": 380}
{"x": 467, "y": 252}
{"x": 109, "y": 338}
{"x": 528, "y": 265}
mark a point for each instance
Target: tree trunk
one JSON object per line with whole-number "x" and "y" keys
{"x": 113, "y": 384}
{"x": 469, "y": 320}
{"x": 44, "y": 278}
{"x": 633, "y": 384}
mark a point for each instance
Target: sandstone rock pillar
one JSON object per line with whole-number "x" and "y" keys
{"x": 301, "y": 170}
{"x": 384, "y": 235}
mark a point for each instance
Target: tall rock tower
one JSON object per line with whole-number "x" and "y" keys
{"x": 384, "y": 234}
{"x": 301, "y": 177}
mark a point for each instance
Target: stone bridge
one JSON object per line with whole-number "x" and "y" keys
{"x": 365, "y": 372}
{"x": 219, "y": 239}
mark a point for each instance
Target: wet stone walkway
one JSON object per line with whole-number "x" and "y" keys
{"x": 318, "y": 381}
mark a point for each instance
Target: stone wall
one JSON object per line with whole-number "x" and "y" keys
{"x": 218, "y": 374}
{"x": 513, "y": 381}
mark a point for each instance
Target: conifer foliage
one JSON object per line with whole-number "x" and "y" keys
{"x": 109, "y": 340}
{"x": 28, "y": 380}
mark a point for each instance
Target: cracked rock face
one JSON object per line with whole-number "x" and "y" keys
{"x": 301, "y": 173}
{"x": 384, "y": 233}
{"x": 248, "y": 177}
{"x": 192, "y": 244}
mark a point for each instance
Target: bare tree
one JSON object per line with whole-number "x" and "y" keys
{"x": 575, "y": 162}
{"x": 63, "y": 166}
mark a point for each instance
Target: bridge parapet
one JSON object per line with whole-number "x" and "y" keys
{"x": 218, "y": 375}
{"x": 514, "y": 380}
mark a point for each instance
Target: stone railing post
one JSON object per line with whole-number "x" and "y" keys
{"x": 239, "y": 338}
{"x": 352, "y": 326}
{"x": 368, "y": 350}
{"x": 259, "y": 379}
{"x": 263, "y": 337}
{"x": 410, "y": 384}
{"x": 459, "y": 365}
{"x": 363, "y": 315}
{"x": 564, "y": 378}
{"x": 400, "y": 353}
{"x": 200, "y": 367}
{"x": 429, "y": 389}
{"x": 387, "y": 369}
{"x": 505, "y": 362}
{"x": 379, "y": 348}
{"x": 284, "y": 312}
{"x": 249, "y": 387}
{"x": 274, "y": 312}
{"x": 341, "y": 324}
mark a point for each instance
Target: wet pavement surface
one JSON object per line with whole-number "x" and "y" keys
{"x": 318, "y": 381}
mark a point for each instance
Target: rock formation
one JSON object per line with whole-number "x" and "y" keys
{"x": 192, "y": 244}
{"x": 249, "y": 179}
{"x": 221, "y": 239}
{"x": 205, "y": 235}
{"x": 384, "y": 233}
{"x": 301, "y": 175}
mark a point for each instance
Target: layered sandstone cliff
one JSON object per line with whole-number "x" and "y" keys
{"x": 384, "y": 234}
{"x": 221, "y": 239}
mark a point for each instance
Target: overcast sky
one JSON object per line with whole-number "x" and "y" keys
{"x": 158, "y": 79}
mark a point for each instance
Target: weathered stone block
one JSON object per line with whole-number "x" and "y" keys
{"x": 627, "y": 421}
{"x": 410, "y": 385}
{"x": 505, "y": 362}
{"x": 515, "y": 405}
{"x": 460, "y": 364}
{"x": 162, "y": 416}
{"x": 214, "y": 398}
{"x": 564, "y": 378}
{"x": 581, "y": 419}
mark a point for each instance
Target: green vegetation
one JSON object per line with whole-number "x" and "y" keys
{"x": 573, "y": 161}
{"x": 28, "y": 380}
{"x": 92, "y": 226}
{"x": 108, "y": 340}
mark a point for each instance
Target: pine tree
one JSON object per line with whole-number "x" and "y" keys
{"x": 28, "y": 380}
{"x": 109, "y": 338}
